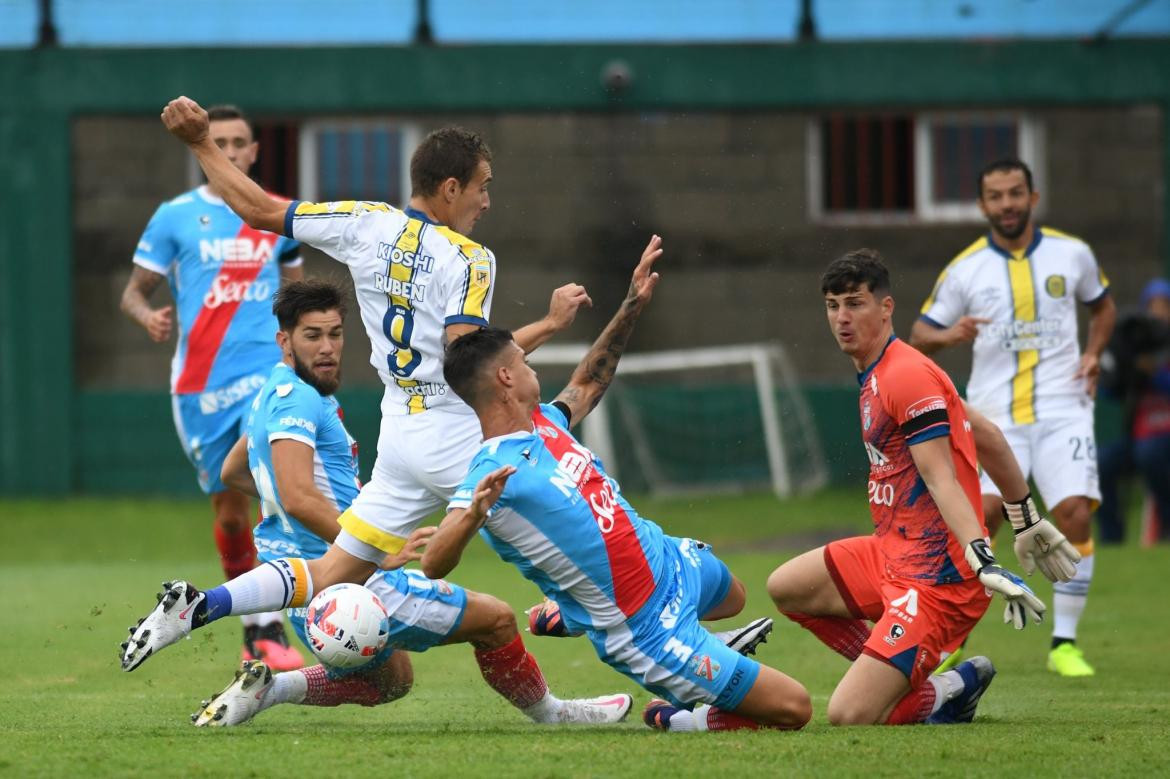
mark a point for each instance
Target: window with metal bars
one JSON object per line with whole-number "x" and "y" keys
{"x": 905, "y": 168}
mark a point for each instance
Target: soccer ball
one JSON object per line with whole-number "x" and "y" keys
{"x": 347, "y": 625}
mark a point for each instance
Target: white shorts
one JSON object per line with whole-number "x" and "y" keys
{"x": 1059, "y": 454}
{"x": 422, "y": 459}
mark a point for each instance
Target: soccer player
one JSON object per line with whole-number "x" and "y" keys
{"x": 222, "y": 274}
{"x": 419, "y": 281}
{"x": 544, "y": 503}
{"x": 924, "y": 576}
{"x": 1013, "y": 295}
{"x": 299, "y": 458}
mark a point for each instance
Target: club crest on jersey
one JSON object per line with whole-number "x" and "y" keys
{"x": 1054, "y": 286}
{"x": 866, "y": 417}
{"x": 896, "y": 632}
{"x": 704, "y": 667}
{"x": 544, "y": 431}
{"x": 204, "y": 222}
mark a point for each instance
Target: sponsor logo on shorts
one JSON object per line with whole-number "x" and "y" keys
{"x": 905, "y": 608}
{"x": 704, "y": 667}
{"x": 217, "y": 400}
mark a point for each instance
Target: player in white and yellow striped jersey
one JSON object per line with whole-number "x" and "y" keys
{"x": 1013, "y": 295}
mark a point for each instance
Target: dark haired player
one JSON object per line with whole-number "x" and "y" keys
{"x": 1013, "y": 295}
{"x": 544, "y": 503}
{"x": 924, "y": 576}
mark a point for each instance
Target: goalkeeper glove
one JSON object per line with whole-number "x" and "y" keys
{"x": 1039, "y": 544}
{"x": 1022, "y": 603}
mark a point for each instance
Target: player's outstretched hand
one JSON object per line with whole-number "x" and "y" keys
{"x": 1022, "y": 603}
{"x": 645, "y": 277}
{"x": 488, "y": 491}
{"x": 411, "y": 550}
{"x": 1039, "y": 544}
{"x": 562, "y": 309}
{"x": 965, "y": 330}
{"x": 186, "y": 120}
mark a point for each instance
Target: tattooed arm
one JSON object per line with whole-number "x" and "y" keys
{"x": 592, "y": 376}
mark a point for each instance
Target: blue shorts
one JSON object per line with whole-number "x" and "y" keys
{"x": 208, "y": 432}
{"x": 423, "y": 613}
{"x": 665, "y": 649}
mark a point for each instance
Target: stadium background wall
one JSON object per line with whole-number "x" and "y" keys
{"x": 58, "y": 435}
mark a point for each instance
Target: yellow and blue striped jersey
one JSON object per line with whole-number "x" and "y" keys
{"x": 412, "y": 279}
{"x": 1026, "y": 358}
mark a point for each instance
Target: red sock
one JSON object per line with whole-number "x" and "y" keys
{"x": 513, "y": 673}
{"x": 237, "y": 553}
{"x": 914, "y": 707}
{"x": 844, "y": 636}
{"x": 718, "y": 719}
{"x": 324, "y": 691}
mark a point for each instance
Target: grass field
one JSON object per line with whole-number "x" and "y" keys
{"x": 74, "y": 573}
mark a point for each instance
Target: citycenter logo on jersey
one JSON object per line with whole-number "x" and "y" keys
{"x": 243, "y": 250}
{"x": 1022, "y": 335}
{"x": 225, "y": 397}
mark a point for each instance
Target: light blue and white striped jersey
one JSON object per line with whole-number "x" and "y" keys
{"x": 289, "y": 408}
{"x": 564, "y": 523}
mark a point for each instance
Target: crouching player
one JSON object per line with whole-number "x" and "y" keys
{"x": 300, "y": 460}
{"x": 925, "y": 576}
{"x": 545, "y": 504}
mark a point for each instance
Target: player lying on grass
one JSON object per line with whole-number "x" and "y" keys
{"x": 925, "y": 576}
{"x": 545, "y": 504}
{"x": 302, "y": 465}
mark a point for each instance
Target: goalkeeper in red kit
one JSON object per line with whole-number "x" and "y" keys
{"x": 926, "y": 575}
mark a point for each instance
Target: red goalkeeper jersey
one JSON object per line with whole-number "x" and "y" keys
{"x": 905, "y": 400}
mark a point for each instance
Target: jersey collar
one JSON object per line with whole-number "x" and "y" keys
{"x": 1037, "y": 235}
{"x": 414, "y": 213}
{"x": 861, "y": 377}
{"x": 204, "y": 192}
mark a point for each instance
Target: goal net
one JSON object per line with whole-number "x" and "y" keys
{"x": 719, "y": 419}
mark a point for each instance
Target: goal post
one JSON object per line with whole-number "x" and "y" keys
{"x": 721, "y": 418}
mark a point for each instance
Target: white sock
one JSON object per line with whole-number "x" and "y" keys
{"x": 683, "y": 721}
{"x": 946, "y": 686}
{"x": 289, "y": 687}
{"x": 547, "y": 709}
{"x": 1069, "y": 599}
{"x": 270, "y": 587}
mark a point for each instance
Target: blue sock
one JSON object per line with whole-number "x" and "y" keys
{"x": 216, "y": 604}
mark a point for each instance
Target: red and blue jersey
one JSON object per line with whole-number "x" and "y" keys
{"x": 222, "y": 275}
{"x": 905, "y": 400}
{"x": 564, "y": 523}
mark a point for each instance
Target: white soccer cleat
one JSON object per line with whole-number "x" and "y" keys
{"x": 170, "y": 621}
{"x": 745, "y": 639}
{"x": 240, "y": 701}
{"x": 605, "y": 710}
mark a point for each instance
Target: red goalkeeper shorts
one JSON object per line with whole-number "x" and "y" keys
{"x": 913, "y": 620}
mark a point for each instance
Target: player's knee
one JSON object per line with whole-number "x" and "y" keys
{"x": 779, "y": 589}
{"x": 849, "y": 712}
{"x": 497, "y": 620}
{"x": 793, "y": 711}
